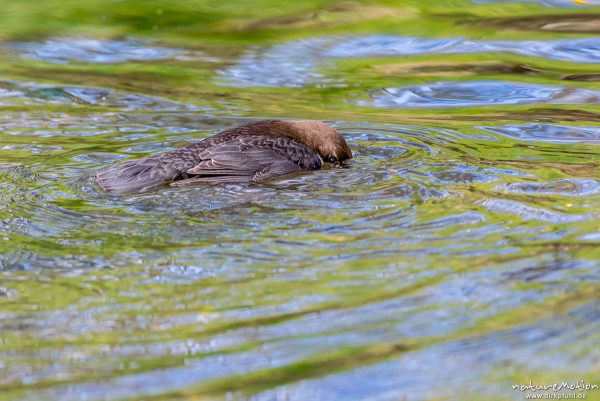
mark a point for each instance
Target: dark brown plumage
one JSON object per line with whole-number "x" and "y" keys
{"x": 252, "y": 152}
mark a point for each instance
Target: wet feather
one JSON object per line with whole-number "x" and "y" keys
{"x": 252, "y": 152}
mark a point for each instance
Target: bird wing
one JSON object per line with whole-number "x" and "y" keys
{"x": 254, "y": 158}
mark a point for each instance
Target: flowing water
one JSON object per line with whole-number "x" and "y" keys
{"x": 457, "y": 254}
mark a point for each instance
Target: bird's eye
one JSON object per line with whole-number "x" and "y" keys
{"x": 332, "y": 159}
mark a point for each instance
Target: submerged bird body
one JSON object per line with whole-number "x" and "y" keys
{"x": 252, "y": 152}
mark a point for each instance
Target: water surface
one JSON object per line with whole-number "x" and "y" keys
{"x": 455, "y": 256}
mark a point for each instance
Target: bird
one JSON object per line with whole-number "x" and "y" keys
{"x": 250, "y": 153}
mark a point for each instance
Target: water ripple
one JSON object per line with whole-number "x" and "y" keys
{"x": 531, "y": 345}
{"x": 525, "y": 212}
{"x": 478, "y": 93}
{"x": 392, "y": 45}
{"x": 566, "y": 187}
{"x": 300, "y": 63}
{"x": 14, "y": 93}
{"x": 551, "y": 133}
{"x": 64, "y": 50}
{"x": 577, "y": 50}
{"x": 391, "y": 162}
{"x": 292, "y": 64}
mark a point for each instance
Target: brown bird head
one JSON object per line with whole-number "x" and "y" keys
{"x": 322, "y": 138}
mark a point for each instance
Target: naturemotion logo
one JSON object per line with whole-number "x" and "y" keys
{"x": 557, "y": 391}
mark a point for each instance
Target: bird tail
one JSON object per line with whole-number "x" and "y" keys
{"x": 135, "y": 175}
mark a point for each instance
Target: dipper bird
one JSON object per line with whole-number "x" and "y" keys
{"x": 252, "y": 152}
